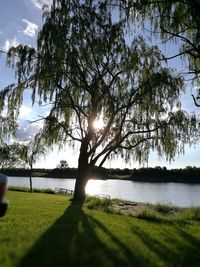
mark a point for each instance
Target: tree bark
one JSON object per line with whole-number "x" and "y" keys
{"x": 83, "y": 172}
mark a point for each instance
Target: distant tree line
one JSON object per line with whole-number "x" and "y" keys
{"x": 158, "y": 174}
{"x": 190, "y": 174}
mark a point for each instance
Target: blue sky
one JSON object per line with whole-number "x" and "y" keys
{"x": 19, "y": 23}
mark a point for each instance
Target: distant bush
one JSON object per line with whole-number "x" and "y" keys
{"x": 46, "y": 191}
{"x": 20, "y": 189}
{"x": 35, "y": 190}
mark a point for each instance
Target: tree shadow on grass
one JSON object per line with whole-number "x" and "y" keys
{"x": 178, "y": 248}
{"x": 75, "y": 240}
{"x": 188, "y": 247}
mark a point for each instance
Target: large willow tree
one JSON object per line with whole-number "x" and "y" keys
{"x": 85, "y": 69}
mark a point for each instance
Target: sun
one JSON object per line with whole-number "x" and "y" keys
{"x": 98, "y": 124}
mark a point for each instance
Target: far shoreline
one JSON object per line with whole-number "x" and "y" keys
{"x": 189, "y": 175}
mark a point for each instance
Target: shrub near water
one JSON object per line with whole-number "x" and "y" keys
{"x": 162, "y": 208}
{"x": 46, "y": 191}
{"x": 35, "y": 190}
{"x": 93, "y": 203}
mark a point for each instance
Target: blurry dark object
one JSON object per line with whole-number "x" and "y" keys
{"x": 3, "y": 208}
{"x": 3, "y": 189}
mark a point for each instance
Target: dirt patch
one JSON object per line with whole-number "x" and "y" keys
{"x": 130, "y": 208}
{"x": 133, "y": 208}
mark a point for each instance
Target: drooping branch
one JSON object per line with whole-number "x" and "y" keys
{"x": 195, "y": 100}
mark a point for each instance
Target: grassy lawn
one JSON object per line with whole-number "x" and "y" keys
{"x": 48, "y": 230}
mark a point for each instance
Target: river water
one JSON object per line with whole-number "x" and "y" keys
{"x": 178, "y": 194}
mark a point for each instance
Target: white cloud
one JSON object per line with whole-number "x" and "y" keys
{"x": 25, "y": 112}
{"x": 11, "y": 42}
{"x": 30, "y": 29}
{"x": 28, "y": 132}
{"x": 1, "y": 32}
{"x": 39, "y": 3}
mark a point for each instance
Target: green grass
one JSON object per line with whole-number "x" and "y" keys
{"x": 191, "y": 214}
{"x": 43, "y": 230}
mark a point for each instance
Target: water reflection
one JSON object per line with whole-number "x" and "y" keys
{"x": 183, "y": 195}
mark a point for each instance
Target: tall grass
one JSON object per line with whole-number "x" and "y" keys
{"x": 94, "y": 203}
{"x": 163, "y": 208}
{"x": 191, "y": 214}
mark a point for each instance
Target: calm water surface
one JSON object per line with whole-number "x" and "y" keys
{"x": 179, "y": 194}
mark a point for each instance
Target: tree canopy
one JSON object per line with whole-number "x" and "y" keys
{"x": 174, "y": 22}
{"x": 11, "y": 156}
{"x": 85, "y": 70}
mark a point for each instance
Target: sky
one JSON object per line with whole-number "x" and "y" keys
{"x": 19, "y": 23}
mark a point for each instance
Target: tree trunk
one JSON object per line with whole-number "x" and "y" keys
{"x": 30, "y": 178}
{"x": 83, "y": 171}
